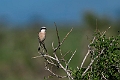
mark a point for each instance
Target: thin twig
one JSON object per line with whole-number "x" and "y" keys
{"x": 53, "y": 45}
{"x": 57, "y": 33}
{"x": 58, "y": 61}
{"x": 87, "y": 53}
{"x": 65, "y": 54}
{"x": 92, "y": 62}
{"x": 84, "y": 59}
{"x": 63, "y": 40}
{"x": 36, "y": 56}
{"x": 50, "y": 57}
{"x": 70, "y": 59}
{"x": 104, "y": 76}
{"x": 105, "y": 31}
{"x": 58, "y": 37}
{"x": 46, "y": 68}
{"x": 96, "y": 25}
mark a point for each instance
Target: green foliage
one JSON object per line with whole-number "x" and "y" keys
{"x": 106, "y": 55}
{"x": 108, "y": 63}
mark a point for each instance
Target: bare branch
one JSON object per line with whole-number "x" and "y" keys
{"x": 84, "y": 59}
{"x": 92, "y": 62}
{"x": 70, "y": 59}
{"x": 57, "y": 33}
{"x": 87, "y": 53}
{"x": 53, "y": 45}
{"x": 104, "y": 76}
{"x": 63, "y": 40}
{"x": 36, "y": 56}
{"x": 50, "y": 57}
{"x": 58, "y": 37}
{"x": 56, "y": 60}
{"x": 65, "y": 54}
{"x": 46, "y": 68}
{"x": 106, "y": 31}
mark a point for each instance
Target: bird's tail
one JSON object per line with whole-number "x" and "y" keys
{"x": 42, "y": 45}
{"x": 39, "y": 46}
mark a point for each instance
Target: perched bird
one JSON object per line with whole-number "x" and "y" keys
{"x": 41, "y": 37}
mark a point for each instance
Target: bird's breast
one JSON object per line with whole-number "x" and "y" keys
{"x": 42, "y": 36}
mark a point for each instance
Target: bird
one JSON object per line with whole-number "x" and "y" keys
{"x": 42, "y": 37}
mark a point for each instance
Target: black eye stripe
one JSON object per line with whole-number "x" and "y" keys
{"x": 43, "y": 28}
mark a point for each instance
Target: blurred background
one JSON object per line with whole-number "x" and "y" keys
{"x": 20, "y": 21}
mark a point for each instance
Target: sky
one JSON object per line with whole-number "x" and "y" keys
{"x": 22, "y": 11}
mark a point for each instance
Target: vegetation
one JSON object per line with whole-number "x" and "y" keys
{"x": 19, "y": 45}
{"x": 105, "y": 59}
{"x": 104, "y": 64}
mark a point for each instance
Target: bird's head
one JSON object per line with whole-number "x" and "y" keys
{"x": 43, "y": 29}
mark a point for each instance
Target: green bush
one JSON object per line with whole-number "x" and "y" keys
{"x": 105, "y": 59}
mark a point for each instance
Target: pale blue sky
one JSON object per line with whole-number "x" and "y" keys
{"x": 20, "y": 11}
